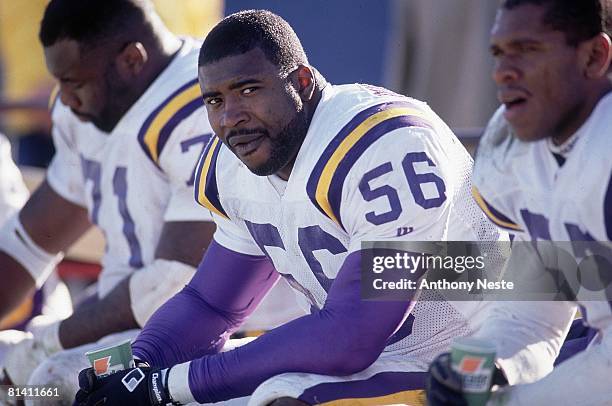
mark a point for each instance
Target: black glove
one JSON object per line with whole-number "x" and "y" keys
{"x": 142, "y": 386}
{"x": 444, "y": 385}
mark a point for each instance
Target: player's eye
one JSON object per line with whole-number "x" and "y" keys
{"x": 212, "y": 101}
{"x": 72, "y": 84}
{"x": 528, "y": 48}
{"x": 249, "y": 90}
{"x": 495, "y": 51}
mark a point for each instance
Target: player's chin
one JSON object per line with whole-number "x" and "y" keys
{"x": 264, "y": 169}
{"x": 259, "y": 162}
{"x": 528, "y": 133}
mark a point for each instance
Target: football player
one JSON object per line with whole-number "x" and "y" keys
{"x": 299, "y": 174}
{"x": 128, "y": 125}
{"x": 543, "y": 171}
{"x": 13, "y": 194}
{"x": 54, "y": 297}
{"x": 124, "y": 117}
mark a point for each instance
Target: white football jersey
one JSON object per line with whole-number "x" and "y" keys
{"x": 13, "y": 192}
{"x": 523, "y": 188}
{"x": 374, "y": 165}
{"x": 141, "y": 174}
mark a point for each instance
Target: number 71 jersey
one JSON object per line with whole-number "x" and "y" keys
{"x": 139, "y": 175}
{"x": 374, "y": 165}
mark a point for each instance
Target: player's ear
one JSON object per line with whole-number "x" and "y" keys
{"x": 596, "y": 54}
{"x": 304, "y": 82}
{"x": 132, "y": 59}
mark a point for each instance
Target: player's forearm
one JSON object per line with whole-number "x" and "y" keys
{"x": 345, "y": 337}
{"x": 582, "y": 379}
{"x": 96, "y": 319}
{"x": 184, "y": 328}
{"x": 226, "y": 289}
{"x": 528, "y": 336}
{"x": 16, "y": 284}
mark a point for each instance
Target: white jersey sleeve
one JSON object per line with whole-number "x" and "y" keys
{"x": 394, "y": 170}
{"x": 13, "y": 192}
{"x": 178, "y": 161}
{"x": 593, "y": 198}
{"x": 527, "y": 344}
{"x": 391, "y": 189}
{"x": 584, "y": 379}
{"x": 64, "y": 174}
{"x": 597, "y": 213}
{"x": 496, "y": 151}
{"x": 231, "y": 234}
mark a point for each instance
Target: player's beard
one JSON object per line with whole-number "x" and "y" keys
{"x": 285, "y": 146}
{"x": 118, "y": 100}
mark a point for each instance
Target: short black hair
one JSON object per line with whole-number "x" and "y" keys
{"x": 241, "y": 32}
{"x": 91, "y": 22}
{"x": 579, "y": 20}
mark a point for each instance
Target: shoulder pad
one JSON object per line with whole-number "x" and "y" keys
{"x": 159, "y": 125}
{"x": 497, "y": 132}
{"x": 53, "y": 97}
{"x": 206, "y": 189}
{"x": 325, "y": 183}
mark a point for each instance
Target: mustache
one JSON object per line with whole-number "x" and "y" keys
{"x": 246, "y": 131}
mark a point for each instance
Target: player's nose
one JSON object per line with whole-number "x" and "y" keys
{"x": 234, "y": 113}
{"x": 504, "y": 71}
{"x": 69, "y": 99}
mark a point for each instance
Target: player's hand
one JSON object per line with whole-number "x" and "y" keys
{"x": 444, "y": 384}
{"x": 25, "y": 351}
{"x": 142, "y": 386}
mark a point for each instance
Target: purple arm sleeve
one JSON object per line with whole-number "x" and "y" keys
{"x": 343, "y": 338}
{"x": 224, "y": 291}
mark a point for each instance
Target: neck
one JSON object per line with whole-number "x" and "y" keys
{"x": 582, "y": 114}
{"x": 161, "y": 48}
{"x": 160, "y": 51}
{"x": 310, "y": 107}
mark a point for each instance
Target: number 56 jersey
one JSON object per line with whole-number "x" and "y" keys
{"x": 139, "y": 175}
{"x": 374, "y": 165}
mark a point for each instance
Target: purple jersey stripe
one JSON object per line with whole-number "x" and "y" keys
{"x": 499, "y": 216}
{"x": 175, "y": 120}
{"x": 382, "y": 384}
{"x": 37, "y": 305}
{"x": 608, "y": 209}
{"x": 200, "y": 166}
{"x": 317, "y": 172}
{"x": 577, "y": 340}
{"x": 154, "y": 113}
{"x": 355, "y": 152}
{"x": 342, "y": 134}
{"x": 368, "y": 139}
{"x": 404, "y": 331}
{"x": 211, "y": 190}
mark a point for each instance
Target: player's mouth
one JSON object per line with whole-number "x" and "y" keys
{"x": 515, "y": 103}
{"x": 245, "y": 144}
{"x": 82, "y": 116}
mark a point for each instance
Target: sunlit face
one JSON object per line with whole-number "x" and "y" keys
{"x": 254, "y": 110}
{"x": 537, "y": 74}
{"x": 89, "y": 83}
